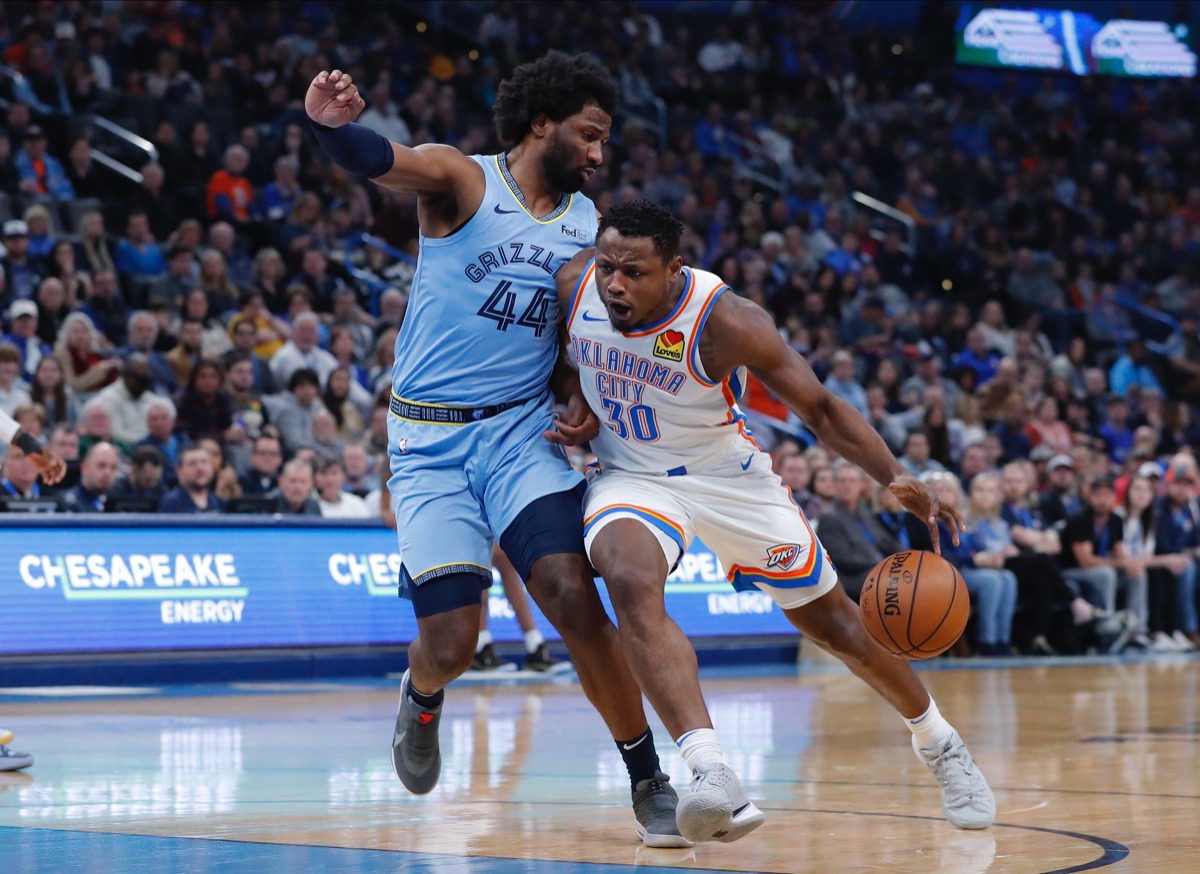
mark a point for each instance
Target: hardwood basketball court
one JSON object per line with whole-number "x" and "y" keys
{"x": 1094, "y": 765}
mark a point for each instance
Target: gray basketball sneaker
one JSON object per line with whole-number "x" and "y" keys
{"x": 716, "y": 808}
{"x": 654, "y": 803}
{"x": 416, "y": 756}
{"x": 11, "y": 760}
{"x": 967, "y": 800}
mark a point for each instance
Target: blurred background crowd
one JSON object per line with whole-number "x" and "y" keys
{"x": 1001, "y": 271}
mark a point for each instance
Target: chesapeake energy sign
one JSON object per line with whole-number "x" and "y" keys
{"x": 96, "y": 588}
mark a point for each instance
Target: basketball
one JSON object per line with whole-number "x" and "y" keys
{"x": 915, "y": 604}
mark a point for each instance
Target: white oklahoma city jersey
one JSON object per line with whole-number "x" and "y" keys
{"x": 648, "y": 386}
{"x": 675, "y": 455}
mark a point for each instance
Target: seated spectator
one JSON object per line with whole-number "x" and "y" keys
{"x": 182, "y": 276}
{"x": 14, "y": 391}
{"x": 293, "y": 411}
{"x": 1132, "y": 371}
{"x": 977, "y": 357}
{"x": 265, "y": 461}
{"x": 222, "y": 238}
{"x": 41, "y": 173}
{"x": 32, "y": 419}
{"x": 107, "y": 309}
{"x": 249, "y": 411}
{"x": 294, "y": 497}
{"x": 41, "y": 234}
{"x": 314, "y": 275}
{"x": 301, "y": 351}
{"x": 915, "y": 457}
{"x": 50, "y": 391}
{"x": 337, "y": 399}
{"x": 853, "y": 537}
{"x": 1178, "y": 533}
{"x": 325, "y": 440}
{"x": 184, "y": 357}
{"x": 18, "y": 478}
{"x": 244, "y": 333}
{"x": 205, "y": 409}
{"x": 269, "y": 275}
{"x": 1115, "y": 431}
{"x": 225, "y": 477}
{"x": 194, "y": 493}
{"x": 1093, "y": 554}
{"x": 145, "y": 478}
{"x": 142, "y": 335}
{"x": 22, "y": 274}
{"x": 23, "y": 317}
{"x": 230, "y": 194}
{"x": 349, "y": 318}
{"x": 214, "y": 340}
{"x": 97, "y": 475}
{"x": 842, "y": 383}
{"x": 162, "y": 437}
{"x": 1060, "y": 500}
{"x": 1047, "y": 428}
{"x": 271, "y": 332}
{"x": 139, "y": 257}
{"x": 94, "y": 252}
{"x": 64, "y": 442}
{"x": 129, "y": 400}
{"x": 360, "y": 470}
{"x": 53, "y": 308}
{"x": 334, "y": 501}
{"x": 222, "y": 294}
{"x": 279, "y": 196}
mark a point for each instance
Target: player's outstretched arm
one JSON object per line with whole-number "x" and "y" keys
{"x": 580, "y": 425}
{"x": 740, "y": 333}
{"x": 333, "y": 103}
{"x": 46, "y": 463}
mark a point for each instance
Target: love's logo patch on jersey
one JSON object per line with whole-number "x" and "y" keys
{"x": 783, "y": 556}
{"x": 669, "y": 345}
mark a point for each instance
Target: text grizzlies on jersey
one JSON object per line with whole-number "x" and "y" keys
{"x": 510, "y": 253}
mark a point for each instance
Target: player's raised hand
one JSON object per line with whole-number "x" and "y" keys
{"x": 580, "y": 425}
{"x": 333, "y": 99}
{"x": 919, "y": 499}
{"x": 49, "y": 466}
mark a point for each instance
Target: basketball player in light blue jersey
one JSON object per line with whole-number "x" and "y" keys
{"x": 471, "y": 399}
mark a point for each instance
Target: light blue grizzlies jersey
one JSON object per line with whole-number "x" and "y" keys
{"x": 482, "y": 321}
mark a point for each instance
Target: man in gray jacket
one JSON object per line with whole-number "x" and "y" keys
{"x": 853, "y": 537}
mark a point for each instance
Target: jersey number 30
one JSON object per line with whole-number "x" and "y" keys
{"x": 501, "y": 308}
{"x": 639, "y": 419}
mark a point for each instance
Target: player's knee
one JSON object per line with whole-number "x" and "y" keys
{"x": 449, "y": 657}
{"x": 635, "y": 591}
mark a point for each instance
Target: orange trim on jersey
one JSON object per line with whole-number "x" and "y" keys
{"x": 694, "y": 353}
{"x": 661, "y": 518}
{"x": 674, "y": 314}
{"x": 802, "y": 572}
{"x": 733, "y": 417}
{"x": 578, "y": 293}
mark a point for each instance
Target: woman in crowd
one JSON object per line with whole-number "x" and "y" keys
{"x": 270, "y": 280}
{"x": 214, "y": 282}
{"x": 1157, "y": 587}
{"x": 95, "y": 252}
{"x": 338, "y": 401}
{"x": 205, "y": 409}
{"x": 77, "y": 286}
{"x": 78, "y": 351}
{"x": 49, "y": 389}
{"x": 41, "y": 232}
{"x": 216, "y": 338}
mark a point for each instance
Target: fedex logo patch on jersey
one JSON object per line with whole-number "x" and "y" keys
{"x": 669, "y": 345}
{"x": 783, "y": 556}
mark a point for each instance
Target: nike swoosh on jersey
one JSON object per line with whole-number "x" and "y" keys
{"x": 746, "y": 466}
{"x": 500, "y": 211}
{"x": 588, "y": 318}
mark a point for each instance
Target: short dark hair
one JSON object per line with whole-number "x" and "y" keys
{"x": 641, "y": 218}
{"x": 304, "y": 376}
{"x": 556, "y": 85}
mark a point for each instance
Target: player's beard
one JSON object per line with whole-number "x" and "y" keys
{"x": 559, "y": 169}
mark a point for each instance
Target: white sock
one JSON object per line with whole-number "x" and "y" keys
{"x": 930, "y": 728}
{"x": 701, "y": 749}
{"x": 533, "y": 639}
{"x": 485, "y": 637}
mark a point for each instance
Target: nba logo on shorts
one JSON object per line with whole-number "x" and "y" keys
{"x": 669, "y": 345}
{"x": 783, "y": 556}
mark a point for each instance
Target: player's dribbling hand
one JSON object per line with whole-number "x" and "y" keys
{"x": 579, "y": 427}
{"x": 919, "y": 499}
{"x": 333, "y": 99}
{"x": 49, "y": 466}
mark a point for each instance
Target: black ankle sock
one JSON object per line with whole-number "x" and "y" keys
{"x": 641, "y": 759}
{"x": 426, "y": 701}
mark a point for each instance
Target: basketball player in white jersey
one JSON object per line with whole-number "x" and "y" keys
{"x": 662, "y": 351}
{"x": 52, "y": 469}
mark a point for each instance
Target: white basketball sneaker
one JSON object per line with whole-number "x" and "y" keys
{"x": 716, "y": 808}
{"x": 967, "y": 800}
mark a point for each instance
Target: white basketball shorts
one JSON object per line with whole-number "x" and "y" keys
{"x": 746, "y": 516}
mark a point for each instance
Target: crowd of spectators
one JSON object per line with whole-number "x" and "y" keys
{"x": 1032, "y": 341}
